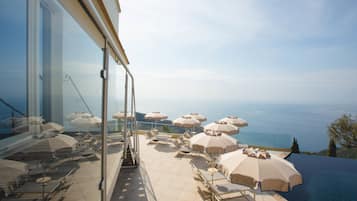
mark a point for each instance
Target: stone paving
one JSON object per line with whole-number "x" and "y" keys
{"x": 164, "y": 177}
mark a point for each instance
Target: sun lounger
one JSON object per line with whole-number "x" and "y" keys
{"x": 37, "y": 171}
{"x": 187, "y": 152}
{"x": 96, "y": 146}
{"x": 224, "y": 190}
{"x": 208, "y": 177}
{"x": 22, "y": 199}
{"x": 229, "y": 188}
{"x": 154, "y": 132}
{"x": 115, "y": 143}
{"x": 115, "y": 138}
{"x": 87, "y": 153}
{"x": 185, "y": 141}
{"x": 33, "y": 187}
{"x": 160, "y": 139}
{"x": 204, "y": 192}
{"x": 177, "y": 143}
{"x": 62, "y": 173}
{"x": 32, "y": 191}
{"x": 83, "y": 154}
{"x": 183, "y": 151}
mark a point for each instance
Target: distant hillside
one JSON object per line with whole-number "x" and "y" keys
{"x": 342, "y": 153}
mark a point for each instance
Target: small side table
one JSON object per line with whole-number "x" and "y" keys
{"x": 43, "y": 181}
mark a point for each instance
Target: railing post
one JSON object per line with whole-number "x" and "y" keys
{"x": 136, "y": 138}
{"x": 104, "y": 76}
{"x": 125, "y": 115}
{"x": 132, "y": 121}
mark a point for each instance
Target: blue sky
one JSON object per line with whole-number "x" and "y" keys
{"x": 13, "y": 50}
{"x": 298, "y": 51}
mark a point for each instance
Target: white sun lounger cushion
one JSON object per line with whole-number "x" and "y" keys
{"x": 230, "y": 188}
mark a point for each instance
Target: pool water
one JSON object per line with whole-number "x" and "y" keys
{"x": 324, "y": 179}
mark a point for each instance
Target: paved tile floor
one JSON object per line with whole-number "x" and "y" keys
{"x": 163, "y": 177}
{"x": 132, "y": 186}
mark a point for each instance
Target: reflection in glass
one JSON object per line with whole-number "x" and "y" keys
{"x": 115, "y": 139}
{"x": 58, "y": 157}
{"x": 12, "y": 67}
{"x": 116, "y": 89}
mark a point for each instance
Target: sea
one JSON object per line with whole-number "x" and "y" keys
{"x": 270, "y": 124}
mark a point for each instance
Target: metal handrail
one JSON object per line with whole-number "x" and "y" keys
{"x": 111, "y": 43}
{"x": 136, "y": 138}
{"x": 106, "y": 34}
{"x": 11, "y": 107}
{"x": 69, "y": 77}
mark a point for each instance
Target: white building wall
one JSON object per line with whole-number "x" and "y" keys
{"x": 113, "y": 9}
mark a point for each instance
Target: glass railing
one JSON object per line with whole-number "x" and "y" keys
{"x": 51, "y": 116}
{"x": 59, "y": 156}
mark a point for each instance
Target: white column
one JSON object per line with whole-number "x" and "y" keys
{"x": 33, "y": 16}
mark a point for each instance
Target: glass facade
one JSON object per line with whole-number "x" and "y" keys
{"x": 13, "y": 65}
{"x": 115, "y": 138}
{"x": 51, "y": 106}
{"x": 116, "y": 88}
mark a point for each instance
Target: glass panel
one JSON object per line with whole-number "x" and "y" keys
{"x": 12, "y": 67}
{"x": 116, "y": 87}
{"x": 131, "y": 122}
{"x": 82, "y": 103}
{"x": 60, "y": 158}
{"x": 115, "y": 140}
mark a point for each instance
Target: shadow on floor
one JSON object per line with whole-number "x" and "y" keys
{"x": 134, "y": 185}
{"x": 165, "y": 148}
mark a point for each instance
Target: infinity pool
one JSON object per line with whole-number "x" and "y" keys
{"x": 324, "y": 179}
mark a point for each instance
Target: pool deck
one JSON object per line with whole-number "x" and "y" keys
{"x": 163, "y": 177}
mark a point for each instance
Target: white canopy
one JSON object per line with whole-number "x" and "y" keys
{"x": 213, "y": 144}
{"x": 53, "y": 127}
{"x": 121, "y": 115}
{"x": 22, "y": 123}
{"x": 14, "y": 165}
{"x": 9, "y": 172}
{"x": 76, "y": 115}
{"x": 221, "y": 127}
{"x": 235, "y": 121}
{"x": 85, "y": 122}
{"x": 156, "y": 116}
{"x": 33, "y": 120}
{"x": 52, "y": 144}
{"x": 186, "y": 122}
{"x": 197, "y": 116}
{"x": 250, "y": 167}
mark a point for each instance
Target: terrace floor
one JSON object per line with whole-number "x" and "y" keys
{"x": 163, "y": 177}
